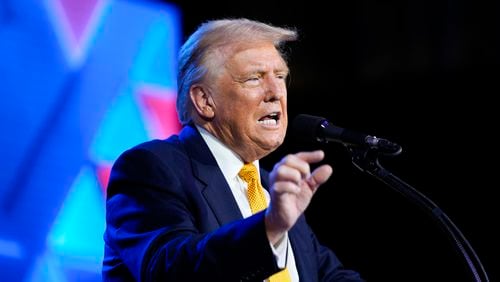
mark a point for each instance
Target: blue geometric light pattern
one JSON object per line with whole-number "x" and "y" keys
{"x": 74, "y": 245}
{"x": 76, "y": 233}
{"x": 123, "y": 120}
{"x": 81, "y": 82}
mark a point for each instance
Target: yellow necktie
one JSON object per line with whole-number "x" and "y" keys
{"x": 257, "y": 200}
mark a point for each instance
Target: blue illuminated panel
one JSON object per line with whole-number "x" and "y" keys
{"x": 81, "y": 82}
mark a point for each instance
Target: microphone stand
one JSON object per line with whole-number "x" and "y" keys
{"x": 366, "y": 159}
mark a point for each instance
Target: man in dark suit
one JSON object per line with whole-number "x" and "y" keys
{"x": 182, "y": 209}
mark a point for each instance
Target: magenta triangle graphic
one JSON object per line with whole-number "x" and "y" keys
{"x": 103, "y": 172}
{"x": 78, "y": 17}
{"x": 159, "y": 109}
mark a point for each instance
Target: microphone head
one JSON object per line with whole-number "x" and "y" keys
{"x": 306, "y": 128}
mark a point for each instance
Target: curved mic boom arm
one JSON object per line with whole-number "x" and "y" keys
{"x": 367, "y": 161}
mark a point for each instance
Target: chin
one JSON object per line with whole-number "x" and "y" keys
{"x": 274, "y": 145}
{"x": 271, "y": 142}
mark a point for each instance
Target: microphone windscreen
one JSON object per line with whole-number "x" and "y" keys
{"x": 305, "y": 127}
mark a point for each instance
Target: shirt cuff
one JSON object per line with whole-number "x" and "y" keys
{"x": 280, "y": 251}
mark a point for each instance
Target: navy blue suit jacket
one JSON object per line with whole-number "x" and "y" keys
{"x": 171, "y": 216}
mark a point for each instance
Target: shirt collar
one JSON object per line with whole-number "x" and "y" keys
{"x": 229, "y": 162}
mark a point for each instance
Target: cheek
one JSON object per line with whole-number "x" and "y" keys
{"x": 249, "y": 100}
{"x": 283, "y": 86}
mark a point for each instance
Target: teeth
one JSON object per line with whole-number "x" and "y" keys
{"x": 268, "y": 122}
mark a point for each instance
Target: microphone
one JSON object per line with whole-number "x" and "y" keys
{"x": 306, "y": 127}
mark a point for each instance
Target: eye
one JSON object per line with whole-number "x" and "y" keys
{"x": 252, "y": 80}
{"x": 282, "y": 76}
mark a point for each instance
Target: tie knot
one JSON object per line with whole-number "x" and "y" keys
{"x": 248, "y": 172}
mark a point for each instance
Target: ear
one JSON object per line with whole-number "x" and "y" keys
{"x": 202, "y": 101}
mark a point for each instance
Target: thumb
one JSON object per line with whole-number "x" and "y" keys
{"x": 319, "y": 176}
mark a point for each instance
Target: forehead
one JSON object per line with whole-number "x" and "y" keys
{"x": 264, "y": 54}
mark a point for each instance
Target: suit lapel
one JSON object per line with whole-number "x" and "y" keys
{"x": 220, "y": 199}
{"x": 211, "y": 180}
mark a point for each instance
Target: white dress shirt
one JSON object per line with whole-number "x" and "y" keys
{"x": 230, "y": 164}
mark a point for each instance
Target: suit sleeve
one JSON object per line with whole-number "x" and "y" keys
{"x": 326, "y": 266}
{"x": 153, "y": 228}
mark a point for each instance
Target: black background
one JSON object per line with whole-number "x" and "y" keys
{"x": 420, "y": 73}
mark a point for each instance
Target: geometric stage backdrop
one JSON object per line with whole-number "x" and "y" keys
{"x": 81, "y": 81}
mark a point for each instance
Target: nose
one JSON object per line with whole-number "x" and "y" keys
{"x": 275, "y": 88}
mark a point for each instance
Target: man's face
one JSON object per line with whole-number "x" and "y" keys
{"x": 251, "y": 101}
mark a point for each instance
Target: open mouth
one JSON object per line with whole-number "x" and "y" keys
{"x": 270, "y": 119}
